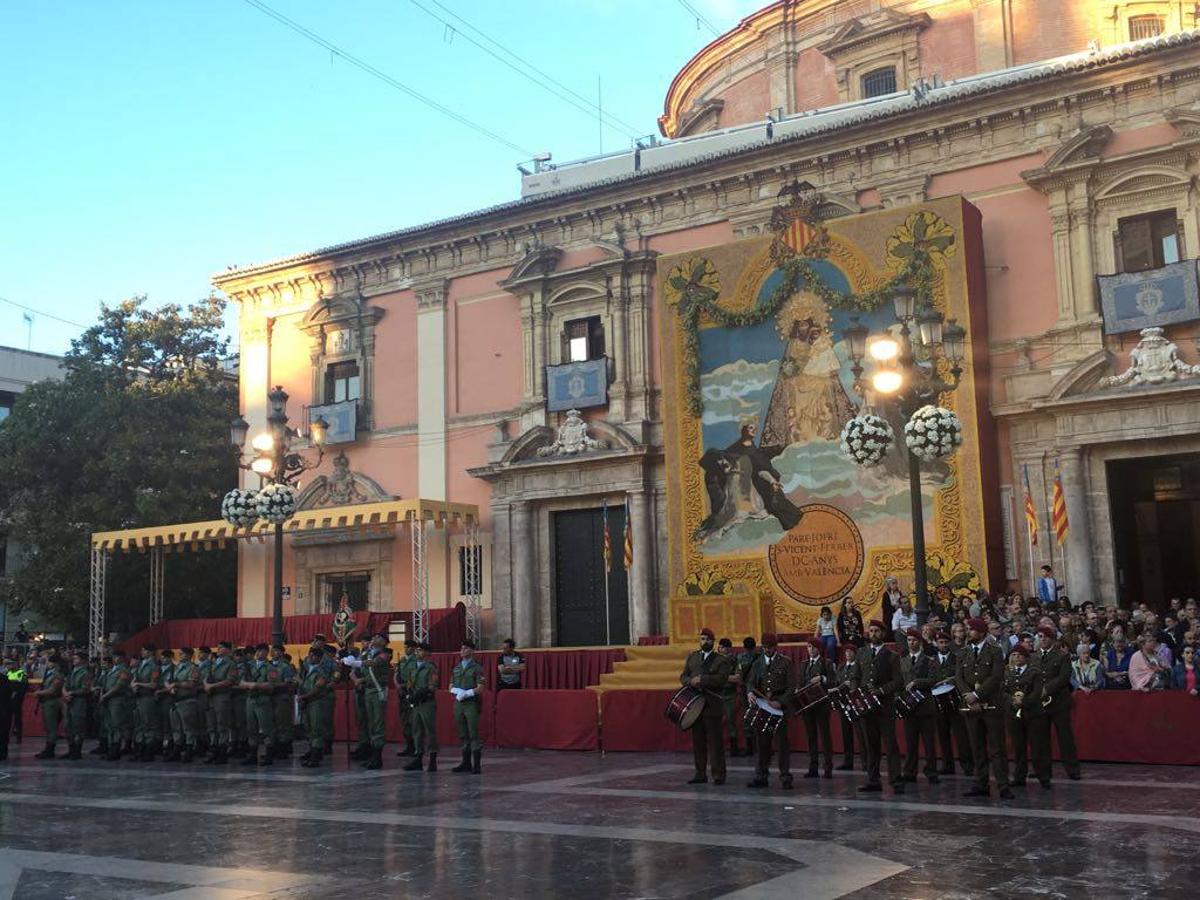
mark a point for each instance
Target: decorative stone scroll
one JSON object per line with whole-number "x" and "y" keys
{"x": 1155, "y": 360}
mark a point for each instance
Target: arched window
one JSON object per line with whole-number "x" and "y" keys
{"x": 879, "y": 82}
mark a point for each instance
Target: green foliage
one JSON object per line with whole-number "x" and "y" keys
{"x": 135, "y": 435}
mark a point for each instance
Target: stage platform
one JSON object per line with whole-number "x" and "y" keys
{"x": 585, "y": 825}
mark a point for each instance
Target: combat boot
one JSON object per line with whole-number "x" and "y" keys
{"x": 47, "y": 753}
{"x": 361, "y": 752}
{"x": 432, "y": 763}
{"x": 476, "y": 769}
{"x": 76, "y": 750}
{"x": 415, "y": 764}
{"x": 465, "y": 765}
{"x": 264, "y": 755}
{"x": 101, "y": 749}
{"x": 185, "y": 755}
{"x": 376, "y": 760}
{"x": 250, "y": 759}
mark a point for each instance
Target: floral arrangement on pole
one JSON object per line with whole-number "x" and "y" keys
{"x": 867, "y": 438}
{"x": 276, "y": 503}
{"x": 933, "y": 432}
{"x": 240, "y": 507}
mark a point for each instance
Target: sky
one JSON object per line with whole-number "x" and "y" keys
{"x": 151, "y": 143}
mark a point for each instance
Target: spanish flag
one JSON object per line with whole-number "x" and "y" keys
{"x": 1030, "y": 512}
{"x": 607, "y": 541}
{"x": 628, "y": 537}
{"x": 1058, "y": 509}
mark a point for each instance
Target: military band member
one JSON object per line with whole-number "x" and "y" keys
{"x": 183, "y": 687}
{"x": 467, "y": 683}
{"x": 284, "y": 701}
{"x": 847, "y": 678}
{"x": 402, "y": 701}
{"x": 422, "y": 685}
{"x": 219, "y": 684}
{"x": 118, "y": 701}
{"x": 1028, "y": 724}
{"x": 1055, "y": 665}
{"x": 771, "y": 678}
{"x": 259, "y": 685}
{"x": 164, "y": 703}
{"x": 707, "y": 671}
{"x": 919, "y": 672}
{"x": 879, "y": 672}
{"x": 50, "y": 700}
{"x": 952, "y": 731}
{"x": 729, "y": 692}
{"x": 76, "y": 694}
{"x": 312, "y": 711}
{"x": 980, "y": 679}
{"x": 817, "y": 669}
{"x": 377, "y": 677}
{"x": 147, "y": 735}
{"x": 745, "y": 659}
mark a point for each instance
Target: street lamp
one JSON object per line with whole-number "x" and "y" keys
{"x": 899, "y": 377}
{"x": 275, "y": 463}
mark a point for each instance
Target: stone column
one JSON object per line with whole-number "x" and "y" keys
{"x": 618, "y": 351}
{"x": 641, "y": 593}
{"x": 1079, "y": 580}
{"x": 524, "y": 581}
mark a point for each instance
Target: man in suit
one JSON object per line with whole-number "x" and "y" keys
{"x": 1028, "y": 725}
{"x": 918, "y": 672}
{"x": 952, "y": 731}
{"x": 980, "y": 679}
{"x": 707, "y": 671}
{"x": 1055, "y": 665}
{"x": 818, "y": 670}
{"x": 879, "y": 672}
{"x": 772, "y": 679}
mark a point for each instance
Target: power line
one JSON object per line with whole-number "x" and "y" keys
{"x": 700, "y": 20}
{"x": 383, "y": 76}
{"x": 44, "y": 315}
{"x": 593, "y": 108}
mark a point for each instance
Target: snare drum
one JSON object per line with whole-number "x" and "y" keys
{"x": 947, "y": 698}
{"x": 761, "y": 722}
{"x": 858, "y": 703}
{"x": 811, "y": 696}
{"x": 685, "y": 707}
{"x": 907, "y": 702}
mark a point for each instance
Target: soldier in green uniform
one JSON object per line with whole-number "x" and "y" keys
{"x": 466, "y": 683}
{"x": 50, "y": 700}
{"x": 772, "y": 679}
{"x": 745, "y": 659}
{"x": 405, "y": 707}
{"x": 729, "y": 692}
{"x": 260, "y": 682}
{"x": 242, "y": 659}
{"x": 422, "y": 685}
{"x": 377, "y": 675}
{"x": 333, "y": 675}
{"x": 362, "y": 750}
{"x": 166, "y": 702}
{"x": 878, "y": 671}
{"x": 1026, "y": 718}
{"x": 76, "y": 694}
{"x": 284, "y": 700}
{"x": 101, "y": 676}
{"x": 707, "y": 671}
{"x": 980, "y": 680}
{"x": 919, "y": 671}
{"x": 312, "y": 689}
{"x": 117, "y": 701}
{"x": 208, "y": 726}
{"x": 222, "y": 676}
{"x": 184, "y": 687}
{"x": 817, "y": 669}
{"x": 1055, "y": 665}
{"x": 147, "y": 735}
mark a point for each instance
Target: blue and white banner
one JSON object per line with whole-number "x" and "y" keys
{"x": 1132, "y": 301}
{"x": 577, "y": 385}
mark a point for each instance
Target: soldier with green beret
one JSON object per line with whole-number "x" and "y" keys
{"x": 259, "y": 685}
{"x": 243, "y": 657}
{"x": 422, "y": 685}
{"x": 315, "y": 685}
{"x": 147, "y": 735}
{"x": 208, "y": 725}
{"x": 184, "y": 689}
{"x": 117, "y": 701}
{"x": 405, "y": 705}
{"x": 284, "y": 699}
{"x": 105, "y": 663}
{"x": 166, "y": 704}
{"x": 50, "y": 700}
{"x": 222, "y": 677}
{"x": 377, "y": 675}
{"x": 76, "y": 693}
{"x": 466, "y": 683}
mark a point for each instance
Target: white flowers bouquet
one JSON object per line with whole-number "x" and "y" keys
{"x": 240, "y": 507}
{"x": 867, "y": 438}
{"x": 933, "y": 432}
{"x": 276, "y": 503}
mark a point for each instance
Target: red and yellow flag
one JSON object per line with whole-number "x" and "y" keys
{"x": 1058, "y": 508}
{"x": 607, "y": 540}
{"x": 1030, "y": 512}
{"x": 628, "y": 536}
{"x": 798, "y": 234}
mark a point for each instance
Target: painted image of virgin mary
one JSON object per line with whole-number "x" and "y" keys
{"x": 809, "y": 402}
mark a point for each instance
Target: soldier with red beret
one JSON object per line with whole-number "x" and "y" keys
{"x": 707, "y": 671}
{"x": 772, "y": 679}
{"x": 817, "y": 670}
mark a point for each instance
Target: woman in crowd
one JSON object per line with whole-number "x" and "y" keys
{"x": 849, "y": 623}
{"x": 1147, "y": 671}
{"x": 827, "y": 634}
{"x": 1187, "y": 671}
{"x": 1086, "y": 674}
{"x": 1116, "y": 663}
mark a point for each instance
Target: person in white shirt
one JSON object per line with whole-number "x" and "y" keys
{"x": 904, "y": 618}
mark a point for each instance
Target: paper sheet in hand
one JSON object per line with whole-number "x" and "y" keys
{"x": 766, "y": 707}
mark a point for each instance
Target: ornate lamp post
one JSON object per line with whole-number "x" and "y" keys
{"x": 279, "y": 467}
{"x": 912, "y": 376}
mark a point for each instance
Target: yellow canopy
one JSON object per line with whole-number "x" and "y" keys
{"x": 360, "y": 516}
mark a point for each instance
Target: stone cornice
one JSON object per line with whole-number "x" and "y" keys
{"x": 999, "y": 126}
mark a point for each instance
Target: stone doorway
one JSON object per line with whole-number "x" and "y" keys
{"x": 587, "y": 611}
{"x": 1155, "y": 508}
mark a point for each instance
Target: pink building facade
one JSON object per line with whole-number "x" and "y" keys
{"x": 449, "y": 351}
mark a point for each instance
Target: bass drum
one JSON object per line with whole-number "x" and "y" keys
{"x": 685, "y": 707}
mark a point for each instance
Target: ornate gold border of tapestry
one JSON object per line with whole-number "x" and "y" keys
{"x": 958, "y": 509}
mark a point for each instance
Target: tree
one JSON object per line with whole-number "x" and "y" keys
{"x": 135, "y": 435}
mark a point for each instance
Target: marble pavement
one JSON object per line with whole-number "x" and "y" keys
{"x": 544, "y": 824}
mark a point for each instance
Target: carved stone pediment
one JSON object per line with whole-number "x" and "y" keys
{"x": 538, "y": 262}
{"x": 341, "y": 487}
{"x": 864, "y": 29}
{"x": 1186, "y": 120}
{"x": 1084, "y": 144}
{"x": 1155, "y": 360}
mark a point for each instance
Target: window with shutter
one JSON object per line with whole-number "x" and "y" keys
{"x": 1148, "y": 241}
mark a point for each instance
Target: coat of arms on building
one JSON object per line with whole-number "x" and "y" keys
{"x": 1155, "y": 360}
{"x": 796, "y": 224}
{"x": 572, "y": 438}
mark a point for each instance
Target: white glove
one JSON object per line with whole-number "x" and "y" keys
{"x": 467, "y": 694}
{"x": 457, "y": 692}
{"x": 353, "y": 662}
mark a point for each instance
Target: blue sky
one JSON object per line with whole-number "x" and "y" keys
{"x": 150, "y": 143}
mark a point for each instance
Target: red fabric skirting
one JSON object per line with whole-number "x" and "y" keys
{"x": 547, "y": 720}
{"x": 653, "y": 640}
